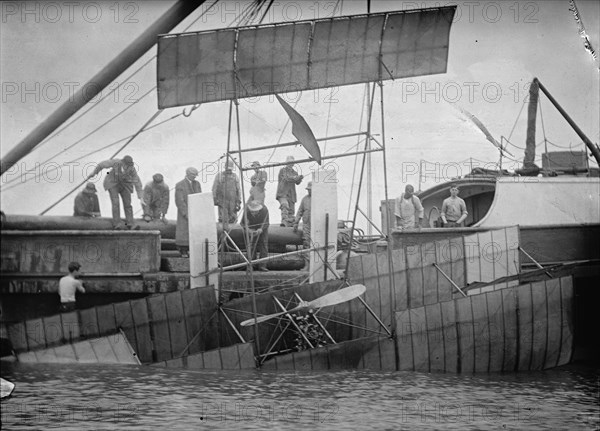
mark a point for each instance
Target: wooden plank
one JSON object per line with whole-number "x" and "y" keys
{"x": 472, "y": 259}
{"x": 385, "y": 289}
{"x": 443, "y": 257}
{"x": 355, "y": 270}
{"x": 122, "y": 349}
{"x": 193, "y": 320}
{"x": 103, "y": 350}
{"x": 302, "y": 360}
{"x": 554, "y": 323}
{"x": 34, "y": 332}
{"x": 414, "y": 276}
{"x": 458, "y": 265}
{"x": 85, "y": 353}
{"x": 567, "y": 297}
{"x": 400, "y": 282}
{"x": 124, "y": 318}
{"x": 246, "y": 355}
{"x": 212, "y": 360}
{"x": 323, "y": 203}
{"x": 435, "y": 337}
{"x": 196, "y": 361}
{"x": 230, "y": 358}
{"x": 27, "y": 357}
{"x": 525, "y": 330}
{"x": 53, "y": 330}
{"x": 17, "y": 334}
{"x": 202, "y": 228}
{"x": 177, "y": 329}
{"x": 89, "y": 323}
{"x": 496, "y": 330}
{"x": 420, "y": 342}
{"x": 430, "y": 273}
{"x": 371, "y": 296}
{"x": 465, "y": 330}
{"x": 404, "y": 335}
{"x": 159, "y": 328}
{"x": 511, "y": 329}
{"x": 499, "y": 253}
{"x": 106, "y": 319}
{"x": 46, "y": 356}
{"x": 448, "y": 321}
{"x": 512, "y": 253}
{"x": 65, "y": 354}
{"x": 70, "y": 326}
{"x": 486, "y": 256}
{"x": 372, "y": 359}
{"x": 387, "y": 353}
{"x": 143, "y": 346}
{"x": 481, "y": 333}
{"x": 540, "y": 325}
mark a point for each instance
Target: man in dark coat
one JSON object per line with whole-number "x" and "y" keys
{"x": 86, "y": 202}
{"x": 183, "y": 188}
{"x": 226, "y": 194}
{"x": 121, "y": 181}
{"x": 286, "y": 191}
{"x": 256, "y": 222}
{"x": 156, "y": 199}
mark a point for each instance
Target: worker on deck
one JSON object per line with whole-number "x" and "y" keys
{"x": 258, "y": 181}
{"x": 304, "y": 216}
{"x": 121, "y": 180}
{"x": 183, "y": 188}
{"x": 286, "y": 191}
{"x": 454, "y": 209}
{"x": 226, "y": 194}
{"x": 255, "y": 221}
{"x": 408, "y": 210}
{"x": 156, "y": 199}
{"x": 86, "y": 202}
{"x": 68, "y": 286}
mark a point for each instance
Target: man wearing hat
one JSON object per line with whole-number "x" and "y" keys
{"x": 454, "y": 209}
{"x": 286, "y": 191}
{"x": 258, "y": 181}
{"x": 183, "y": 188}
{"x": 304, "y": 215}
{"x": 86, "y": 202}
{"x": 156, "y": 198}
{"x": 226, "y": 194}
{"x": 255, "y": 221}
{"x": 121, "y": 181}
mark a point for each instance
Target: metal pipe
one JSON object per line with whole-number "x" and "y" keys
{"x": 103, "y": 78}
{"x": 232, "y": 325}
{"x": 449, "y": 279}
{"x": 370, "y": 310}
{"x": 326, "y": 243}
{"x": 593, "y": 148}
{"x": 335, "y": 156}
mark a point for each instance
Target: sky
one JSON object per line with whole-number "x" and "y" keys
{"x": 47, "y": 49}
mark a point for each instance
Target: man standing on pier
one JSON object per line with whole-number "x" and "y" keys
{"x": 258, "y": 181}
{"x": 68, "y": 286}
{"x": 183, "y": 188}
{"x": 121, "y": 180}
{"x": 286, "y": 191}
{"x": 454, "y": 209}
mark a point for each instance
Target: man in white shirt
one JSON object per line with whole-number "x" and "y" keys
{"x": 408, "y": 210}
{"x": 454, "y": 209}
{"x": 68, "y": 286}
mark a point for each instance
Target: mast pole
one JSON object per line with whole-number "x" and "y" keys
{"x": 593, "y": 148}
{"x": 109, "y": 73}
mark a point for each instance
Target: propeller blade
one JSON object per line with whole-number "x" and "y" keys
{"x": 339, "y": 296}
{"x": 261, "y": 319}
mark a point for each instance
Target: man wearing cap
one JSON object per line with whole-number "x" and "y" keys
{"x": 183, "y": 188}
{"x": 255, "y": 221}
{"x": 258, "y": 181}
{"x": 304, "y": 215}
{"x": 121, "y": 181}
{"x": 454, "y": 209}
{"x": 408, "y": 209}
{"x": 156, "y": 199}
{"x": 226, "y": 194}
{"x": 286, "y": 191}
{"x": 86, "y": 202}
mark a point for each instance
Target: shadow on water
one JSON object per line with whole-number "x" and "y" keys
{"x": 100, "y": 397}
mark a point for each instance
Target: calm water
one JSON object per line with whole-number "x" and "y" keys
{"x": 122, "y": 397}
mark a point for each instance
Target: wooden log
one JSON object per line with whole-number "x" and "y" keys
{"x": 567, "y": 297}
{"x": 481, "y": 333}
{"x": 540, "y": 325}
{"x": 435, "y": 337}
{"x": 525, "y": 329}
{"x": 144, "y": 345}
{"x": 511, "y": 329}
{"x": 554, "y": 323}
{"x": 466, "y": 337}
{"x": 448, "y": 321}
{"x": 496, "y": 330}
{"x": 159, "y": 328}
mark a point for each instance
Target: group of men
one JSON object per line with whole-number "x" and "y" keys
{"x": 409, "y": 211}
{"x": 123, "y": 179}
